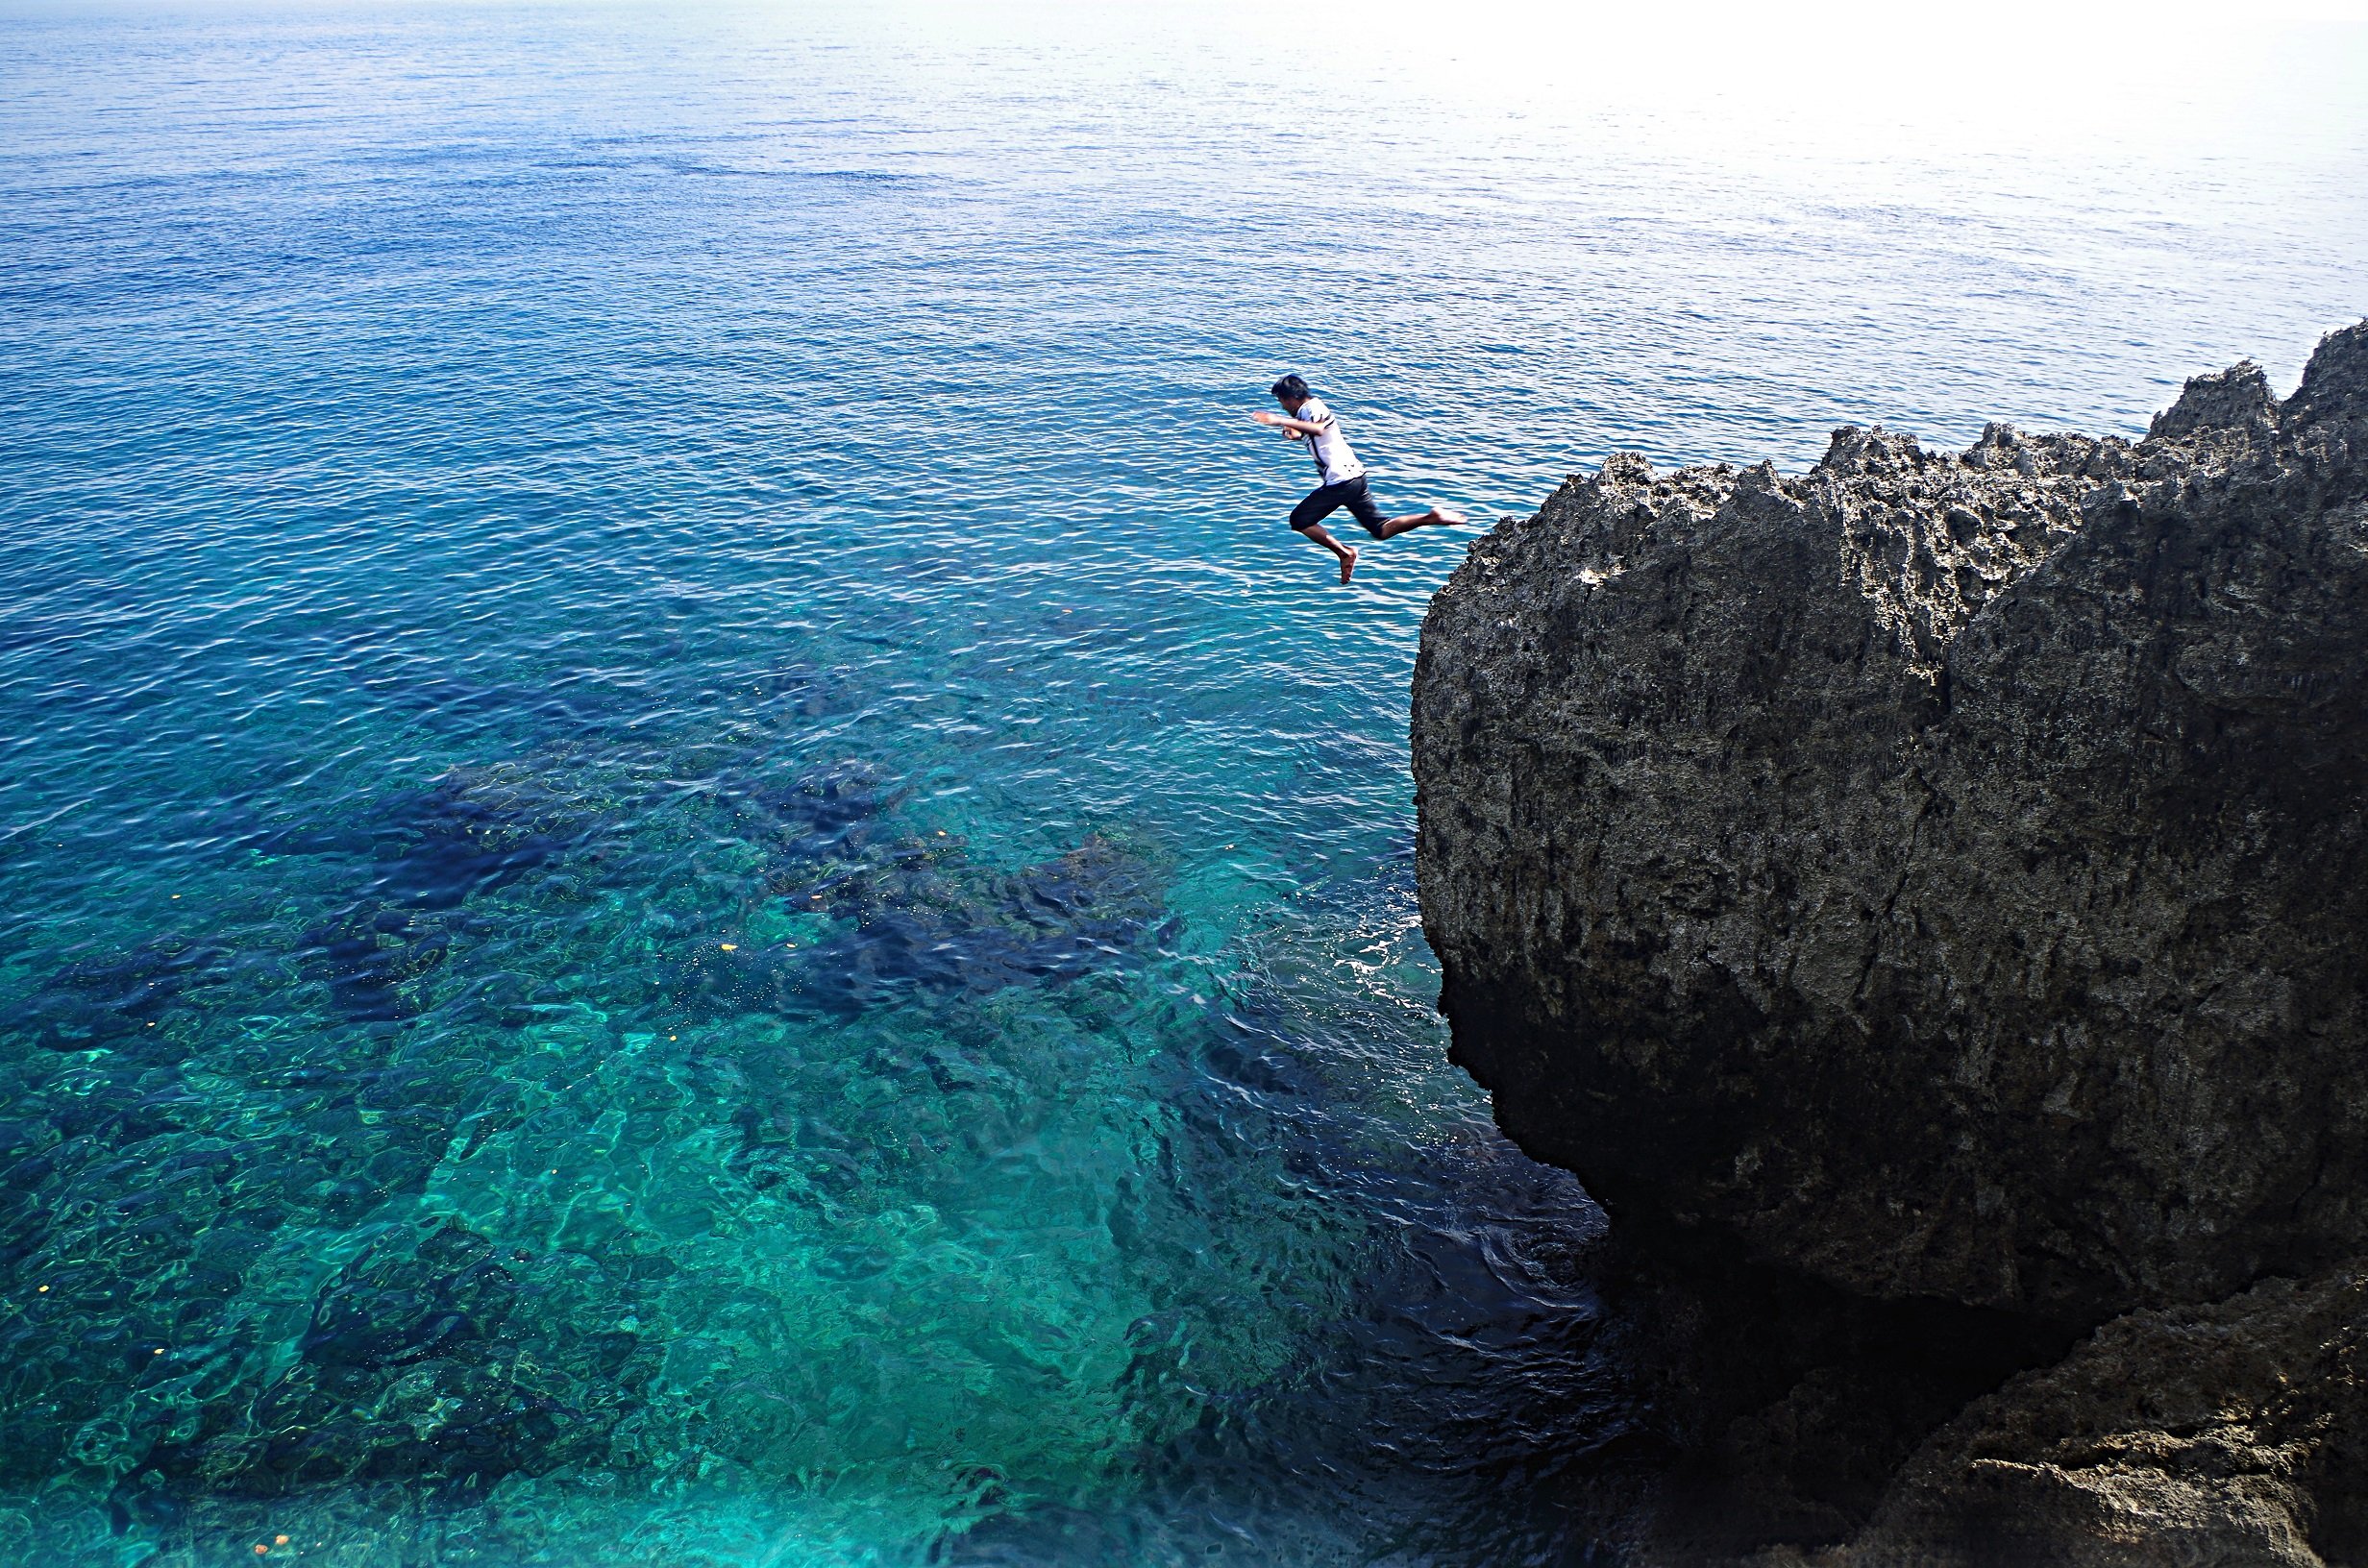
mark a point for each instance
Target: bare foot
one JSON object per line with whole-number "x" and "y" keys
{"x": 1440, "y": 514}
{"x": 1349, "y": 562}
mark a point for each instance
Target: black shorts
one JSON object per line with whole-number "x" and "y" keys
{"x": 1331, "y": 498}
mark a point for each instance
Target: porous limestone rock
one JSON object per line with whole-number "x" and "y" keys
{"x": 1944, "y": 874}
{"x": 2234, "y": 1433}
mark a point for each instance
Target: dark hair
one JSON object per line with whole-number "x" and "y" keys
{"x": 1290, "y": 386}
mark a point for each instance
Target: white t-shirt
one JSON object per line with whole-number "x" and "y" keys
{"x": 1335, "y": 459}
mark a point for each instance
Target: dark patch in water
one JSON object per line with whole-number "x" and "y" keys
{"x": 110, "y": 999}
{"x": 919, "y": 916}
{"x": 394, "y": 1313}
{"x": 472, "y": 830}
{"x": 434, "y": 1357}
{"x": 824, "y": 809}
{"x": 372, "y": 958}
{"x": 27, "y": 1166}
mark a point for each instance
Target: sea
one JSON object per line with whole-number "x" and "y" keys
{"x": 690, "y": 873}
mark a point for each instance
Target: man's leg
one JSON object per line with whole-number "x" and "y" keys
{"x": 1392, "y": 528}
{"x": 1360, "y": 505}
{"x": 1348, "y": 553}
{"x": 1307, "y": 518}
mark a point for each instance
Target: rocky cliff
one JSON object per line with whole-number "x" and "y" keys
{"x": 1943, "y": 878}
{"x": 1941, "y": 874}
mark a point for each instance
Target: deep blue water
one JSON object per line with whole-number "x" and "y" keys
{"x": 689, "y": 873}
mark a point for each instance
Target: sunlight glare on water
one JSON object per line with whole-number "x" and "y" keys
{"x": 691, "y": 873}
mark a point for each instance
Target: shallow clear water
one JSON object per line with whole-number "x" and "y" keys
{"x": 689, "y": 873}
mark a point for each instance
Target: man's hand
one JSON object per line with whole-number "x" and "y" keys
{"x": 1265, "y": 416}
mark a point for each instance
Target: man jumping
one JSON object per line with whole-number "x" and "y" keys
{"x": 1305, "y": 418}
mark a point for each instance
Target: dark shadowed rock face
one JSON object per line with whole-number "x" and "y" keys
{"x": 2228, "y": 1433}
{"x": 1944, "y": 874}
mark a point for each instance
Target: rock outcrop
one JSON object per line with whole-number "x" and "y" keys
{"x": 1944, "y": 875}
{"x": 2231, "y": 1433}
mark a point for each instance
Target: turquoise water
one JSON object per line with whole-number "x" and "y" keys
{"x": 690, "y": 873}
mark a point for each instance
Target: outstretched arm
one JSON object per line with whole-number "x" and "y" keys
{"x": 1297, "y": 426}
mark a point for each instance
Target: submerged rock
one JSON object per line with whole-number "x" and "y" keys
{"x": 1942, "y": 874}
{"x": 373, "y": 958}
{"x": 110, "y": 998}
{"x": 434, "y": 1356}
{"x": 911, "y": 916}
{"x": 472, "y": 830}
{"x": 826, "y": 808}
